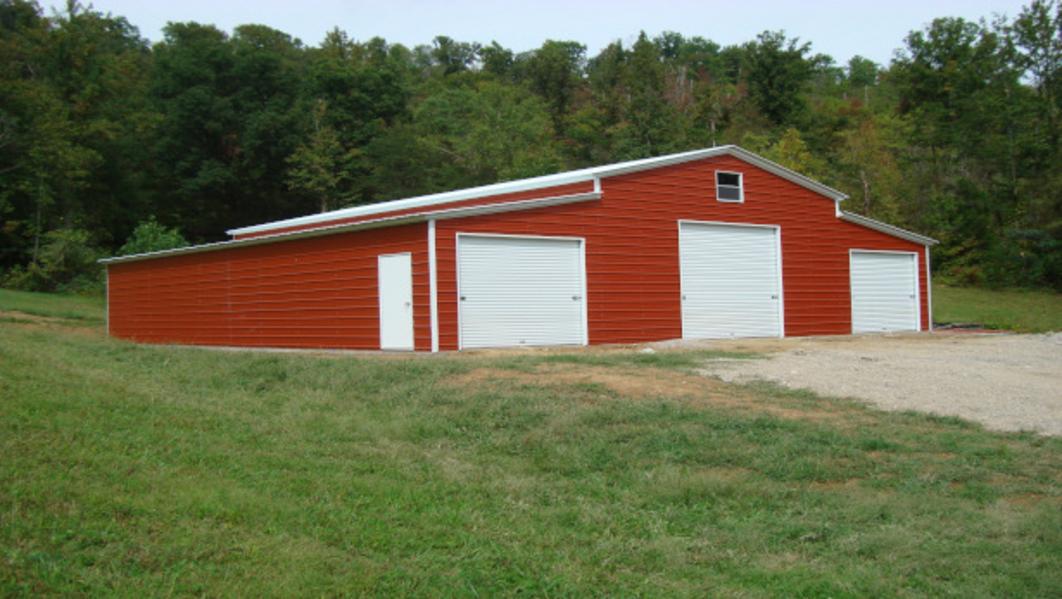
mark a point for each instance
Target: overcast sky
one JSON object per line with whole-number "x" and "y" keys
{"x": 839, "y": 28}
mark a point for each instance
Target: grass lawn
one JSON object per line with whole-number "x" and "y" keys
{"x": 1025, "y": 311}
{"x": 131, "y": 470}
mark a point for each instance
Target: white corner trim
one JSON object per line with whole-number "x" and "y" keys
{"x": 929, "y": 293}
{"x": 107, "y": 301}
{"x": 433, "y": 287}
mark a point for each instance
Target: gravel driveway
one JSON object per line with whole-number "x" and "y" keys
{"x": 1005, "y": 382}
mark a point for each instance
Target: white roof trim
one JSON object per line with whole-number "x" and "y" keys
{"x": 366, "y": 224}
{"x": 886, "y": 228}
{"x": 578, "y": 176}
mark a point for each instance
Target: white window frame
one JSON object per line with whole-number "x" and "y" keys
{"x": 740, "y": 187}
{"x": 582, "y": 264}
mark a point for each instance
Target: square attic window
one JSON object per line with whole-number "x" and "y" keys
{"x": 728, "y": 187}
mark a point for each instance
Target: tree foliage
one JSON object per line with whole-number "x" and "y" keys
{"x": 150, "y": 236}
{"x": 958, "y": 137}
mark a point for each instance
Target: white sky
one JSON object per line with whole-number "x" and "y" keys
{"x": 841, "y": 29}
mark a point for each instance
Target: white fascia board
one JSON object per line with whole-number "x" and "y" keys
{"x": 886, "y": 228}
{"x": 391, "y": 221}
{"x": 594, "y": 174}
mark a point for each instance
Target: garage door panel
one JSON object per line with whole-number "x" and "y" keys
{"x": 730, "y": 281}
{"x": 520, "y": 291}
{"x": 884, "y": 291}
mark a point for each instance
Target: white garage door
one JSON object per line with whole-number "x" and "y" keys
{"x": 730, "y": 281}
{"x": 520, "y": 291}
{"x": 884, "y": 292}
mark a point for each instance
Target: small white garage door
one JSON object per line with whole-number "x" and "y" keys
{"x": 520, "y": 291}
{"x": 730, "y": 281}
{"x": 884, "y": 291}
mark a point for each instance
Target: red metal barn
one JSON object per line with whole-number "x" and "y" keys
{"x": 714, "y": 243}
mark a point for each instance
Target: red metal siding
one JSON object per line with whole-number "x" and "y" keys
{"x": 632, "y": 249}
{"x": 322, "y": 291}
{"x": 560, "y": 190}
{"x": 313, "y": 292}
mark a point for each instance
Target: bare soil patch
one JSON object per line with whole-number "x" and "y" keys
{"x": 34, "y": 321}
{"x": 647, "y": 383}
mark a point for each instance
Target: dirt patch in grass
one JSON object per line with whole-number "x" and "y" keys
{"x": 24, "y": 318}
{"x": 646, "y": 383}
{"x": 35, "y": 321}
{"x": 1029, "y": 500}
{"x": 834, "y": 485}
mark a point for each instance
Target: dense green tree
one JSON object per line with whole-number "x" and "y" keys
{"x": 958, "y": 137}
{"x": 650, "y": 126}
{"x": 321, "y": 167}
{"x": 497, "y": 60}
{"x": 777, "y": 71}
{"x": 453, "y": 56}
{"x": 151, "y": 236}
{"x": 486, "y": 133}
{"x": 554, "y": 71}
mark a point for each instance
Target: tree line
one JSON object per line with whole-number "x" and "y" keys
{"x": 108, "y": 141}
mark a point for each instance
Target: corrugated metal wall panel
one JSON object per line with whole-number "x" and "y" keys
{"x": 315, "y": 292}
{"x": 520, "y": 291}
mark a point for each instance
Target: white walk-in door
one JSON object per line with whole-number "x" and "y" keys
{"x": 731, "y": 283}
{"x": 884, "y": 291}
{"x": 396, "y": 301}
{"x": 520, "y": 291}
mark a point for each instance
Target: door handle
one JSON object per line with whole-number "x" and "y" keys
{"x": 577, "y": 297}
{"x": 462, "y": 298}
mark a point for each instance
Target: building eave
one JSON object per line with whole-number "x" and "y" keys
{"x": 886, "y": 228}
{"x": 392, "y": 221}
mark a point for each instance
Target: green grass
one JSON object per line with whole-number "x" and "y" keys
{"x": 1025, "y": 311}
{"x": 130, "y": 470}
{"x": 86, "y": 309}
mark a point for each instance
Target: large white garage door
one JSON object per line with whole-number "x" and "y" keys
{"x": 520, "y": 291}
{"x": 730, "y": 281}
{"x": 884, "y": 292}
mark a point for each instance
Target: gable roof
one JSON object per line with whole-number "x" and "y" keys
{"x": 577, "y": 176}
{"x": 275, "y": 231}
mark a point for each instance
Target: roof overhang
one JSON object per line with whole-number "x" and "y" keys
{"x": 886, "y": 228}
{"x": 364, "y": 225}
{"x": 593, "y": 174}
